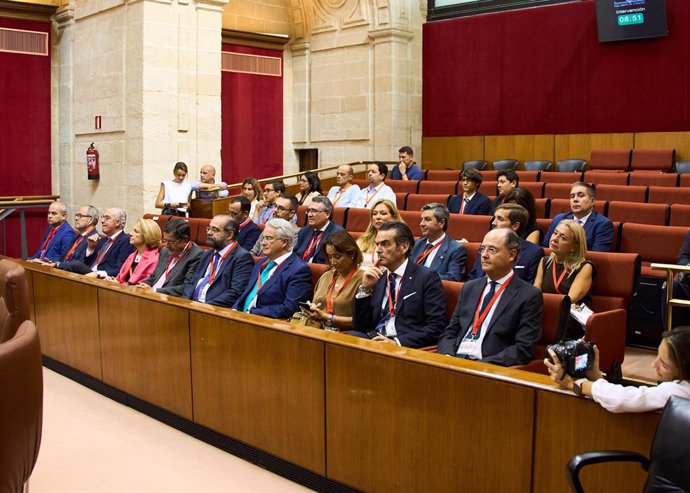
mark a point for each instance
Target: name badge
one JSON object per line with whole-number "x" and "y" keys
{"x": 390, "y": 328}
{"x": 471, "y": 348}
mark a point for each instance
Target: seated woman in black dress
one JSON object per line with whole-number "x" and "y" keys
{"x": 567, "y": 271}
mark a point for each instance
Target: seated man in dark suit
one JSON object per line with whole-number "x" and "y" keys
{"x": 399, "y": 302}
{"x": 319, "y": 227}
{"x": 437, "y": 250}
{"x": 177, "y": 261}
{"x": 498, "y": 317}
{"x": 471, "y": 201}
{"x": 104, "y": 256}
{"x": 57, "y": 237}
{"x": 280, "y": 280}
{"x": 85, "y": 222}
{"x": 223, "y": 271}
{"x": 598, "y": 228}
{"x": 514, "y": 217}
{"x": 507, "y": 180}
{"x": 248, "y": 231}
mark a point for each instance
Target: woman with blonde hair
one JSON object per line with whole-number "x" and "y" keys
{"x": 384, "y": 211}
{"x": 567, "y": 271}
{"x": 252, "y": 190}
{"x": 146, "y": 238}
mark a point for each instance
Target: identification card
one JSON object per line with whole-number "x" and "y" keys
{"x": 471, "y": 348}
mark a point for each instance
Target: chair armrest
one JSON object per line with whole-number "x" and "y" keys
{"x": 577, "y": 462}
{"x": 608, "y": 330}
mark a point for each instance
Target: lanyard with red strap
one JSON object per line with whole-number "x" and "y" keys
{"x": 244, "y": 223}
{"x": 557, "y": 282}
{"x": 479, "y": 318}
{"x": 46, "y": 243}
{"x": 369, "y": 199}
{"x": 104, "y": 251}
{"x": 77, "y": 243}
{"x": 315, "y": 240}
{"x": 177, "y": 258}
{"x": 392, "y": 306}
{"x": 212, "y": 273}
{"x": 331, "y": 299}
{"x": 422, "y": 258}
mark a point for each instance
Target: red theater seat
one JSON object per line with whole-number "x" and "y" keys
{"x": 403, "y": 186}
{"x": 317, "y": 271}
{"x": 626, "y": 193}
{"x": 401, "y": 200}
{"x": 654, "y": 179}
{"x": 638, "y": 212}
{"x": 557, "y": 190}
{"x": 680, "y": 215}
{"x": 416, "y": 201}
{"x": 412, "y": 219}
{"x": 301, "y": 215}
{"x": 652, "y": 159}
{"x": 443, "y": 174}
{"x": 610, "y": 159}
{"x": 560, "y": 177}
{"x": 536, "y": 188}
{"x": 358, "y": 220}
{"x": 472, "y": 248}
{"x": 653, "y": 243}
{"x": 669, "y": 195}
{"x": 528, "y": 176}
{"x": 452, "y": 290}
{"x": 605, "y": 178}
{"x": 340, "y": 215}
{"x": 448, "y": 187}
{"x": 543, "y": 207}
{"x": 469, "y": 227}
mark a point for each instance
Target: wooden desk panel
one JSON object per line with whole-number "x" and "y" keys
{"x": 566, "y": 426}
{"x": 260, "y": 386}
{"x": 399, "y": 426}
{"x": 67, "y": 321}
{"x": 145, "y": 348}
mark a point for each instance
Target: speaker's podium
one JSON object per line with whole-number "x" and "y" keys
{"x": 208, "y": 207}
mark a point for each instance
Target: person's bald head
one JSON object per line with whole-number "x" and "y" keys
{"x": 207, "y": 174}
{"x": 344, "y": 175}
{"x": 498, "y": 252}
{"x": 57, "y": 213}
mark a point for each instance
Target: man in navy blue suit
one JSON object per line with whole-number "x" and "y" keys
{"x": 248, "y": 231}
{"x": 319, "y": 227}
{"x": 514, "y": 217}
{"x": 437, "y": 250}
{"x": 598, "y": 228}
{"x": 471, "y": 201}
{"x": 85, "y": 222}
{"x": 280, "y": 280}
{"x": 57, "y": 237}
{"x": 105, "y": 255}
{"x": 223, "y": 271}
{"x": 399, "y": 301}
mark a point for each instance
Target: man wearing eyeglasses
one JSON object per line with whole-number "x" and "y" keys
{"x": 177, "y": 261}
{"x": 498, "y": 317}
{"x": 319, "y": 227}
{"x": 286, "y": 208}
{"x": 223, "y": 271}
{"x": 85, "y": 221}
{"x": 57, "y": 237}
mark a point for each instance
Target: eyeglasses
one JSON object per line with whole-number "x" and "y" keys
{"x": 280, "y": 208}
{"x": 314, "y": 211}
{"x": 79, "y": 216}
{"x": 213, "y": 229}
{"x": 488, "y": 249}
{"x": 166, "y": 241}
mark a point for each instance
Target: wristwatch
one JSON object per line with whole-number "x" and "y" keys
{"x": 577, "y": 386}
{"x": 362, "y": 291}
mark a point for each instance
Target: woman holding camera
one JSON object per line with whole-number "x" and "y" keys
{"x": 672, "y": 366}
{"x": 567, "y": 271}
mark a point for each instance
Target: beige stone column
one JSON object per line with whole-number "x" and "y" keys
{"x": 151, "y": 71}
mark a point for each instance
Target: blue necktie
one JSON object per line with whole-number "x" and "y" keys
{"x": 264, "y": 275}
{"x": 202, "y": 284}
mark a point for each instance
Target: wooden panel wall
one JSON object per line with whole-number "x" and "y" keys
{"x": 450, "y": 152}
{"x": 520, "y": 147}
{"x": 680, "y": 141}
{"x": 579, "y": 146}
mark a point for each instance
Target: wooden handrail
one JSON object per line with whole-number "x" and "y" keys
{"x": 671, "y": 270}
{"x": 18, "y": 198}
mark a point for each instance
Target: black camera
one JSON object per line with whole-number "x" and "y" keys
{"x": 576, "y": 357}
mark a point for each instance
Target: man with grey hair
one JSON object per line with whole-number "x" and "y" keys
{"x": 437, "y": 250}
{"x": 85, "y": 222}
{"x": 280, "y": 280}
{"x": 319, "y": 227}
{"x": 223, "y": 271}
{"x": 57, "y": 237}
{"x": 498, "y": 317}
{"x": 345, "y": 193}
{"x": 105, "y": 255}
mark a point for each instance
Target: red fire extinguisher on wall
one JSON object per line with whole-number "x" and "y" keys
{"x": 92, "y": 167}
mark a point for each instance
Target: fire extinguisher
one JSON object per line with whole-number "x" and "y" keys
{"x": 93, "y": 169}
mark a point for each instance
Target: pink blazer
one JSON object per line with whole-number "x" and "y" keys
{"x": 143, "y": 270}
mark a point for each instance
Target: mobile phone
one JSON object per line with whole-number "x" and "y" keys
{"x": 373, "y": 333}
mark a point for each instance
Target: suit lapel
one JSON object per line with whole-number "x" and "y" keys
{"x": 226, "y": 263}
{"x": 440, "y": 255}
{"x": 407, "y": 286}
{"x": 273, "y": 279}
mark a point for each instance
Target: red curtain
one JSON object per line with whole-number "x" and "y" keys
{"x": 25, "y": 165}
{"x": 252, "y": 114}
{"x": 543, "y": 70}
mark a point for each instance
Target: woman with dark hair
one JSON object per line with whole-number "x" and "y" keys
{"x": 252, "y": 190}
{"x": 672, "y": 366}
{"x": 174, "y": 195}
{"x": 335, "y": 291}
{"x": 524, "y": 197}
{"x": 309, "y": 187}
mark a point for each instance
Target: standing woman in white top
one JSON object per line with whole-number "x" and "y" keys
{"x": 672, "y": 366}
{"x": 174, "y": 195}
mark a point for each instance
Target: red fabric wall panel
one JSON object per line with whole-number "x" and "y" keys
{"x": 25, "y": 166}
{"x": 252, "y": 113}
{"x": 543, "y": 70}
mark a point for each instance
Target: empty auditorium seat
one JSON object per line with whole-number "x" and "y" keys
{"x": 617, "y": 278}
{"x": 605, "y": 178}
{"x": 536, "y": 188}
{"x": 638, "y": 213}
{"x": 340, "y": 215}
{"x": 452, "y": 290}
{"x": 654, "y": 179}
{"x": 566, "y": 165}
{"x": 487, "y": 176}
{"x": 403, "y": 186}
{"x": 505, "y": 164}
{"x": 559, "y": 206}
{"x": 443, "y": 174}
{"x": 669, "y": 195}
{"x": 557, "y": 190}
{"x": 543, "y": 207}
{"x": 610, "y": 159}
{"x": 472, "y": 248}
{"x": 528, "y": 176}
{"x": 194, "y": 225}
{"x": 538, "y": 165}
{"x": 417, "y": 200}
{"x": 625, "y": 193}
{"x": 447, "y": 187}
{"x": 358, "y": 220}
{"x": 544, "y": 224}
{"x": 479, "y": 164}
{"x": 469, "y": 227}
{"x": 301, "y": 215}
{"x": 652, "y": 159}
{"x": 680, "y": 215}
{"x": 654, "y": 244}
{"x": 401, "y": 200}
{"x": 684, "y": 180}
{"x": 412, "y": 219}
{"x": 563, "y": 177}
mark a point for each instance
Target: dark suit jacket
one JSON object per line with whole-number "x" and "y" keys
{"x": 598, "y": 229}
{"x": 305, "y": 236}
{"x": 480, "y": 205}
{"x": 421, "y": 311}
{"x": 59, "y": 244}
{"x": 180, "y": 275}
{"x": 116, "y": 256}
{"x": 498, "y": 200}
{"x": 248, "y": 235}
{"x": 228, "y": 283}
{"x": 79, "y": 253}
{"x": 281, "y": 294}
{"x": 684, "y": 257}
{"x": 514, "y": 329}
{"x": 526, "y": 264}
{"x": 449, "y": 262}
